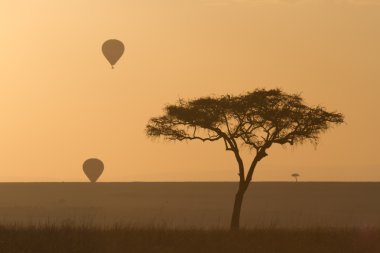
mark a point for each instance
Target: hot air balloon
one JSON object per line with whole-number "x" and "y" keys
{"x": 113, "y": 50}
{"x": 93, "y": 168}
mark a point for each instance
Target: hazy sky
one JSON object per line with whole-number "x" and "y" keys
{"x": 61, "y": 103}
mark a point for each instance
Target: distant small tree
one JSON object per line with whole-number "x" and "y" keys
{"x": 295, "y": 175}
{"x": 256, "y": 119}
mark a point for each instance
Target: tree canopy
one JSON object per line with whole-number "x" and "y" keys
{"x": 259, "y": 119}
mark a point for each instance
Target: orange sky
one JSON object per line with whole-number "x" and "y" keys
{"x": 61, "y": 103}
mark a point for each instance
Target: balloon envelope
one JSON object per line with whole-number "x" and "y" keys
{"x": 93, "y": 168}
{"x": 113, "y": 50}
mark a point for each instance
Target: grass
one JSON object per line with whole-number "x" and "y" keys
{"x": 70, "y": 239}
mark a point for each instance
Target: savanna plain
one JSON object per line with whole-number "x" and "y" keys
{"x": 189, "y": 217}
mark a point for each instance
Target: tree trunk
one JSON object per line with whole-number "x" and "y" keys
{"x": 235, "y": 220}
{"x": 243, "y": 186}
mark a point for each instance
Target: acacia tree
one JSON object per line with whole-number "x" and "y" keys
{"x": 295, "y": 175}
{"x": 256, "y": 119}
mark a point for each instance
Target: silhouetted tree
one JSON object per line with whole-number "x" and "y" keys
{"x": 256, "y": 119}
{"x": 295, "y": 175}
